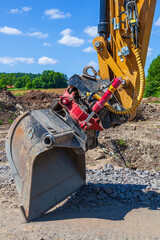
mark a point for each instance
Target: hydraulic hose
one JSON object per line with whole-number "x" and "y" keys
{"x": 141, "y": 90}
{"x": 103, "y": 26}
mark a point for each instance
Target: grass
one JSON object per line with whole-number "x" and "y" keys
{"x": 127, "y": 164}
{"x": 19, "y": 92}
{"x": 154, "y": 102}
{"x": 1, "y": 122}
{"x": 122, "y": 142}
{"x": 115, "y": 154}
{"x": 18, "y": 89}
{"x": 10, "y": 121}
{"x": 131, "y": 166}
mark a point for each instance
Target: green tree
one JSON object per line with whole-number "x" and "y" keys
{"x": 47, "y": 79}
{"x": 28, "y": 85}
{"x": 11, "y": 79}
{"x": 19, "y": 83}
{"x": 61, "y": 80}
{"x": 36, "y": 83}
{"x": 153, "y": 79}
{"x": 25, "y": 79}
{"x": 2, "y": 82}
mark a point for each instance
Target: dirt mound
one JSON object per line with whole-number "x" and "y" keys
{"x": 7, "y": 100}
{"x": 134, "y": 144}
{"x": 5, "y": 94}
{"x": 8, "y": 107}
{"x": 136, "y": 154}
{"x": 11, "y": 106}
{"x": 36, "y": 100}
{"x": 148, "y": 111}
{"x": 151, "y": 100}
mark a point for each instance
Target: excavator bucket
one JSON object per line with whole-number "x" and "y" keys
{"x": 47, "y": 160}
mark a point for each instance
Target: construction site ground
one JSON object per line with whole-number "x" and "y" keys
{"x": 121, "y": 200}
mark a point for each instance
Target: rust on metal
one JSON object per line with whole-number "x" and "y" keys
{"x": 44, "y": 173}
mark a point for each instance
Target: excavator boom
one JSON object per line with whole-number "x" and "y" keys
{"x": 116, "y": 55}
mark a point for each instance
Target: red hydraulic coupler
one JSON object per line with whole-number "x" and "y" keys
{"x": 100, "y": 104}
{"x": 77, "y": 113}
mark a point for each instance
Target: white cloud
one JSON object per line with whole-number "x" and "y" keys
{"x": 47, "y": 44}
{"x": 38, "y": 34}
{"x": 47, "y": 61}
{"x": 10, "y": 31}
{"x": 26, "y": 9}
{"x": 11, "y": 61}
{"x": 157, "y": 23}
{"x": 68, "y": 15}
{"x": 91, "y": 31}
{"x": 15, "y": 10}
{"x": 67, "y": 31}
{"x": 93, "y": 64}
{"x": 23, "y": 9}
{"x": 69, "y": 40}
{"x": 89, "y": 50}
{"x": 15, "y": 31}
{"x": 8, "y": 60}
{"x": 150, "y": 50}
{"x": 25, "y": 60}
{"x": 56, "y": 14}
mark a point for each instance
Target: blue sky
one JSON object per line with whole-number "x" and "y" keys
{"x": 56, "y": 35}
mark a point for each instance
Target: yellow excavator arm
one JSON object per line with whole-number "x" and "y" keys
{"x": 122, "y": 46}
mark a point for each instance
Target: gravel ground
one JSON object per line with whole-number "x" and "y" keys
{"x": 104, "y": 185}
{"x": 123, "y": 185}
{"x": 112, "y": 201}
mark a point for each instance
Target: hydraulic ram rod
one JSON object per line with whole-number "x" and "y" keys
{"x": 103, "y": 26}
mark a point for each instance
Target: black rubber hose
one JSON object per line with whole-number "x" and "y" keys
{"x": 104, "y": 18}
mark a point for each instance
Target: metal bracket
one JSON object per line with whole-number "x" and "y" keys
{"x": 124, "y": 52}
{"x": 116, "y": 25}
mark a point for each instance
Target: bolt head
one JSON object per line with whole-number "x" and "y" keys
{"x": 123, "y": 82}
{"x": 97, "y": 44}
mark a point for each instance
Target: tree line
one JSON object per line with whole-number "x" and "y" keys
{"x": 153, "y": 79}
{"x": 51, "y": 79}
{"x": 48, "y": 79}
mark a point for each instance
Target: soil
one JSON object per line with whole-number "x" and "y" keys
{"x": 8, "y": 108}
{"x": 34, "y": 100}
{"x": 151, "y": 100}
{"x": 11, "y": 106}
{"x": 133, "y": 145}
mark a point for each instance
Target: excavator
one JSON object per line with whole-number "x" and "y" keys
{"x": 46, "y": 148}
